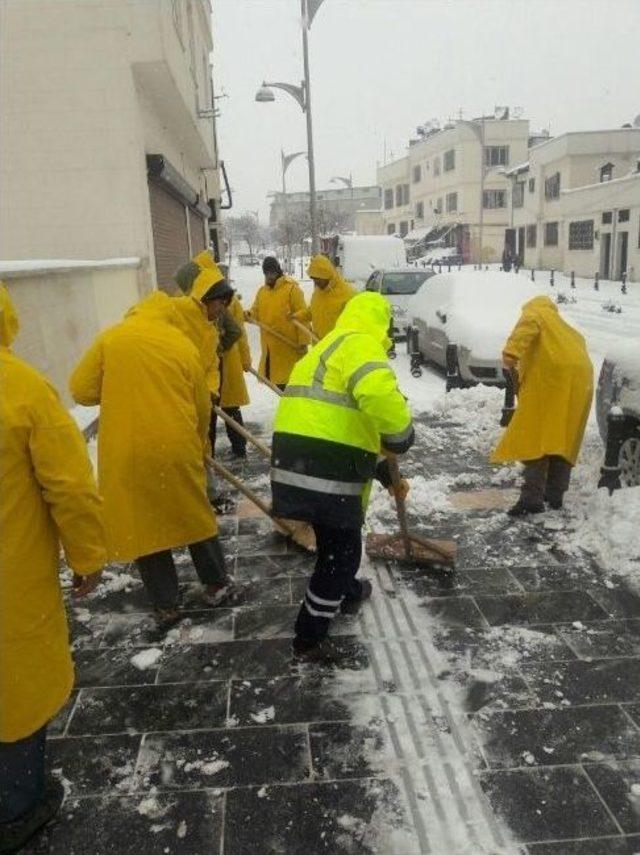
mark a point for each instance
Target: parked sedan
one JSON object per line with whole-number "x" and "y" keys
{"x": 398, "y": 285}
{"x": 461, "y": 322}
{"x": 618, "y": 412}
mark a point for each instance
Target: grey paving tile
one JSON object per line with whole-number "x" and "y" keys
{"x": 585, "y": 682}
{"x": 618, "y": 782}
{"x": 597, "y": 846}
{"x": 602, "y": 639}
{"x": 94, "y": 764}
{"x": 540, "y": 607}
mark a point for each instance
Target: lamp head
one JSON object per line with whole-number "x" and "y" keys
{"x": 265, "y": 94}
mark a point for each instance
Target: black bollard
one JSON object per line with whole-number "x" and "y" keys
{"x": 459, "y": 265}
{"x": 624, "y": 282}
{"x": 573, "y": 279}
{"x": 416, "y": 356}
{"x": 533, "y": 275}
{"x": 596, "y": 282}
{"x": 552, "y": 281}
{"x": 610, "y": 471}
{"x": 449, "y": 267}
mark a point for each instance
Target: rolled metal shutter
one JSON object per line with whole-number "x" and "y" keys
{"x": 170, "y": 238}
{"x": 196, "y": 228}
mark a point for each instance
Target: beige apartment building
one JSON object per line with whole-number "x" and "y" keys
{"x": 575, "y": 204}
{"x": 108, "y": 151}
{"x": 452, "y": 187}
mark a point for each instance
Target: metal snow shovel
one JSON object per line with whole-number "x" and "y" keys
{"x": 406, "y": 546}
{"x": 265, "y": 381}
{"x": 314, "y": 338}
{"x": 299, "y": 532}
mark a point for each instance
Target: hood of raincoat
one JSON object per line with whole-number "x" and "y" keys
{"x": 204, "y": 260}
{"x": 368, "y": 313}
{"x": 182, "y": 312}
{"x": 206, "y": 280}
{"x": 321, "y": 268}
{"x": 541, "y": 304}
{"x": 8, "y": 318}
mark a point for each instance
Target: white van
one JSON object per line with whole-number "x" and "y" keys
{"x": 357, "y": 256}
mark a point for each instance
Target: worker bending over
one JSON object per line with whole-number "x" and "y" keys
{"x": 331, "y": 294}
{"x": 342, "y": 407}
{"x": 554, "y": 374}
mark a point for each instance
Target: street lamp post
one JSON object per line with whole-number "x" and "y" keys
{"x": 302, "y": 94}
{"x": 286, "y": 161}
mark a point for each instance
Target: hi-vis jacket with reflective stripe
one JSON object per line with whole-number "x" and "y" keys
{"x": 342, "y": 405}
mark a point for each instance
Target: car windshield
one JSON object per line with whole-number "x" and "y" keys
{"x": 402, "y": 283}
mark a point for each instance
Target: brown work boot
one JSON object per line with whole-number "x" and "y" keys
{"x": 166, "y": 618}
{"x": 213, "y": 595}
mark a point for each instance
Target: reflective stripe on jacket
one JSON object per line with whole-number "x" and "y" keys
{"x": 342, "y": 405}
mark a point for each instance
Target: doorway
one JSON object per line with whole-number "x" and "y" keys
{"x": 622, "y": 254}
{"x": 605, "y": 255}
{"x": 521, "y": 246}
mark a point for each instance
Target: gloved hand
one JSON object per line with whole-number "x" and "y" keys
{"x": 401, "y": 491}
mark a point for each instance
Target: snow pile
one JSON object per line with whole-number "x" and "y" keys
{"x": 146, "y": 658}
{"x": 476, "y": 309}
{"x": 477, "y": 410}
{"x": 264, "y": 715}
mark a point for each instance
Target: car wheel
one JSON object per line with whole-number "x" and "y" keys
{"x": 630, "y": 461}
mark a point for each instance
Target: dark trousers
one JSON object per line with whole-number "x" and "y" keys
{"x": 545, "y": 479}
{"x": 238, "y": 443}
{"x": 267, "y": 373}
{"x": 22, "y": 776}
{"x": 160, "y": 578}
{"x": 339, "y": 552}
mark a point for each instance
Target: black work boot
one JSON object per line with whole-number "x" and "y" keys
{"x": 353, "y": 606}
{"x": 523, "y": 509}
{"x": 16, "y": 834}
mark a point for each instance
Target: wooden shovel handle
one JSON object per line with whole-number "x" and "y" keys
{"x": 223, "y": 472}
{"x": 314, "y": 338}
{"x": 240, "y": 429}
{"x": 274, "y": 333}
{"x": 401, "y": 510}
{"x": 266, "y": 381}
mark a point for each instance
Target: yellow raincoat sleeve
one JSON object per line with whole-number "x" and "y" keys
{"x": 297, "y": 304}
{"x": 85, "y": 383}
{"x": 63, "y": 470}
{"x": 202, "y": 396}
{"x": 243, "y": 342}
{"x": 522, "y": 337}
{"x": 304, "y": 315}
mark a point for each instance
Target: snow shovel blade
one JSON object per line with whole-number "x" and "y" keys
{"x": 299, "y": 532}
{"x": 424, "y": 552}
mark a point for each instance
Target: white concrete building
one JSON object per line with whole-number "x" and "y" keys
{"x": 108, "y": 142}
{"x": 451, "y": 185}
{"x": 107, "y": 151}
{"x": 369, "y": 223}
{"x": 572, "y": 179}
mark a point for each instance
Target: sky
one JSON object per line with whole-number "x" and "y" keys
{"x": 380, "y": 68}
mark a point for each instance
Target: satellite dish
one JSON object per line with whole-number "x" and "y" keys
{"x": 636, "y": 121}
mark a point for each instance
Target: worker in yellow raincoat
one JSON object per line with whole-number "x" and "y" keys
{"x": 555, "y": 380}
{"x": 148, "y": 374}
{"x": 48, "y": 497}
{"x": 234, "y": 353}
{"x": 278, "y": 299}
{"x": 341, "y": 410}
{"x": 330, "y": 295}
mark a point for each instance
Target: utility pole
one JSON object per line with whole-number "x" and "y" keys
{"x": 313, "y": 208}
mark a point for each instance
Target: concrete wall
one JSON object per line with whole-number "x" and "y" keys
{"x": 61, "y": 312}
{"x": 369, "y": 223}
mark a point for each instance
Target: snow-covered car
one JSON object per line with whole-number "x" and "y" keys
{"x": 398, "y": 285}
{"x": 618, "y": 413}
{"x": 461, "y": 322}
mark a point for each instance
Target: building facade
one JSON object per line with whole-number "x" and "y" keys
{"x": 337, "y": 208}
{"x": 451, "y": 186}
{"x": 574, "y": 204}
{"x": 108, "y": 139}
{"x": 369, "y": 223}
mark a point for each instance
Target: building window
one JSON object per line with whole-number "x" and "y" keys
{"x": 496, "y": 155}
{"x": 438, "y": 208}
{"x": 551, "y": 234}
{"x": 436, "y": 166}
{"x": 420, "y": 210}
{"x": 607, "y": 218}
{"x": 404, "y": 228}
{"x": 388, "y": 199}
{"x": 552, "y": 187}
{"x": 606, "y": 172}
{"x": 398, "y": 195}
{"x": 494, "y": 199}
{"x": 581, "y": 234}
{"x": 391, "y": 228}
{"x": 449, "y": 160}
{"x": 405, "y": 194}
{"x": 452, "y": 202}
{"x": 623, "y": 216}
{"x": 532, "y": 237}
{"x": 532, "y": 185}
{"x": 518, "y": 194}
{"x": 417, "y": 174}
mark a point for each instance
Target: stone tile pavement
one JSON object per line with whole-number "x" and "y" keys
{"x": 497, "y": 711}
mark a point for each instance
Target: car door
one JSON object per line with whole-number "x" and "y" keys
{"x": 435, "y": 319}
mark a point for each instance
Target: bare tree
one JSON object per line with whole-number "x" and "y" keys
{"x": 246, "y": 228}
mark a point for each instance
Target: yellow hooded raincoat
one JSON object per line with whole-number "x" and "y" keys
{"x": 556, "y": 387}
{"x": 47, "y": 495}
{"x": 147, "y": 374}
{"x": 326, "y": 303}
{"x": 233, "y": 388}
{"x": 272, "y": 306}
{"x": 209, "y": 345}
